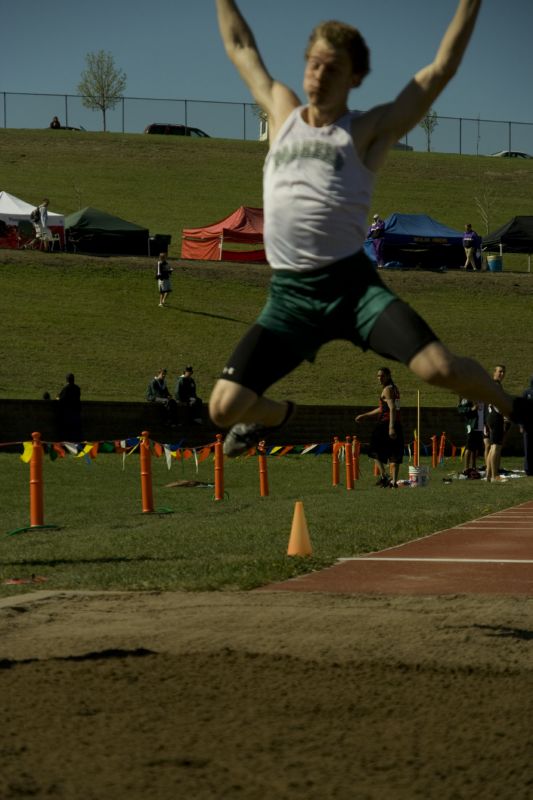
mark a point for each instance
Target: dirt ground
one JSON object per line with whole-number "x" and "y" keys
{"x": 265, "y": 696}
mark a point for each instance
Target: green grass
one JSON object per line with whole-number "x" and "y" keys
{"x": 168, "y": 183}
{"x": 103, "y": 541}
{"x": 99, "y": 318}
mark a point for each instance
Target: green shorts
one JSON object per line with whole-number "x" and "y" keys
{"x": 340, "y": 301}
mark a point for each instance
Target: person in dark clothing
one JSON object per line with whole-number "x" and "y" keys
{"x": 376, "y": 232}
{"x": 158, "y": 392}
{"x": 473, "y": 414}
{"x": 387, "y": 442}
{"x": 69, "y": 399}
{"x": 163, "y": 273}
{"x": 527, "y": 433}
{"x": 185, "y": 394}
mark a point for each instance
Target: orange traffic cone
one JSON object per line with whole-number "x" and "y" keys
{"x": 299, "y": 542}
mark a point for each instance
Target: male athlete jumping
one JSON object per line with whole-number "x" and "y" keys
{"x": 318, "y": 180}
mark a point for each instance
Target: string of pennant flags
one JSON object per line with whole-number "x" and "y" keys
{"x": 178, "y": 452}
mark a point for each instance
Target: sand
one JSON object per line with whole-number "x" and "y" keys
{"x": 265, "y": 695}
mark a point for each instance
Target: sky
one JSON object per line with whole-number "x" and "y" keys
{"x": 171, "y": 49}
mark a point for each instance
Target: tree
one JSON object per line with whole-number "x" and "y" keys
{"x": 101, "y": 84}
{"x": 428, "y": 124}
{"x": 263, "y": 120}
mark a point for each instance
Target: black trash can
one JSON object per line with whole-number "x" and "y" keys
{"x": 159, "y": 243}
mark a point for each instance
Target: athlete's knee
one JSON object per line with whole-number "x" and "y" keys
{"x": 436, "y": 364}
{"x": 220, "y": 408}
{"x": 227, "y": 403}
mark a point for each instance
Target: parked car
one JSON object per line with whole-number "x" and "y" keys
{"x": 510, "y": 154}
{"x": 175, "y": 130}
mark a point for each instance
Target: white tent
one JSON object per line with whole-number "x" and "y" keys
{"x": 13, "y": 210}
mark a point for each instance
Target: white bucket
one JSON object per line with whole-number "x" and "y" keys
{"x": 418, "y": 476}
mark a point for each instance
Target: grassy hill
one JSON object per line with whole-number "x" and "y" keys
{"x": 167, "y": 182}
{"x": 99, "y": 316}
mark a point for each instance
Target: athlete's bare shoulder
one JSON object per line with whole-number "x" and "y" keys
{"x": 284, "y": 101}
{"x": 370, "y": 141}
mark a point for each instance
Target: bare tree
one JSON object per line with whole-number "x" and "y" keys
{"x": 263, "y": 120}
{"x": 101, "y": 84}
{"x": 486, "y": 201}
{"x": 428, "y": 124}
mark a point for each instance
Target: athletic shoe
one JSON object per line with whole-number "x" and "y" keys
{"x": 244, "y": 435}
{"x": 383, "y": 481}
{"x": 522, "y": 413}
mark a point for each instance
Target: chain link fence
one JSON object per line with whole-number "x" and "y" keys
{"x": 239, "y": 121}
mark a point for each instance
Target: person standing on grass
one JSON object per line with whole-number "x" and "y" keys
{"x": 497, "y": 426}
{"x": 387, "y": 443}
{"x": 473, "y": 414}
{"x": 163, "y": 273}
{"x": 527, "y": 433}
{"x": 45, "y": 234}
{"x": 318, "y": 180}
{"x": 376, "y": 232}
{"x": 471, "y": 244}
{"x": 69, "y": 399}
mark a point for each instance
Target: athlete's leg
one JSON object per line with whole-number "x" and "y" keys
{"x": 494, "y": 461}
{"x": 400, "y": 333}
{"x": 230, "y": 403}
{"x": 436, "y": 365}
{"x": 260, "y": 359}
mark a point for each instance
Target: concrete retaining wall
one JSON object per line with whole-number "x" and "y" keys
{"x": 109, "y": 421}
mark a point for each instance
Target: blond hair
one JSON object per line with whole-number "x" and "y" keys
{"x": 343, "y": 37}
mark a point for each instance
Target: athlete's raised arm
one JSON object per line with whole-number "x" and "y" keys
{"x": 385, "y": 124}
{"x": 274, "y": 98}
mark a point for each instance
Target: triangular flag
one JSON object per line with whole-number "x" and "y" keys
{"x": 27, "y": 452}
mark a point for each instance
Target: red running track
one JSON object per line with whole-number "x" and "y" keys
{"x": 490, "y": 555}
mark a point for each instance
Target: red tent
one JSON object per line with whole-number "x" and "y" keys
{"x": 244, "y": 226}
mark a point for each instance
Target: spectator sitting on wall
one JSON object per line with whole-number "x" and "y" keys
{"x": 185, "y": 394}
{"x": 157, "y": 392}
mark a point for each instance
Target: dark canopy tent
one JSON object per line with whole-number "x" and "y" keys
{"x": 93, "y": 231}
{"x": 516, "y": 236}
{"x": 418, "y": 240}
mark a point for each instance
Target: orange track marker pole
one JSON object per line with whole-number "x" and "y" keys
{"x": 219, "y": 468}
{"x": 147, "y": 496}
{"x": 263, "y": 470}
{"x": 442, "y": 446}
{"x": 356, "y": 447}
{"x": 415, "y": 450}
{"x": 434, "y": 455}
{"x": 335, "y": 474}
{"x": 36, "y": 482}
{"x": 377, "y": 473}
{"x": 348, "y": 463}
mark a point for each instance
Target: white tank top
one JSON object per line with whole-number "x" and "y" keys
{"x": 316, "y": 195}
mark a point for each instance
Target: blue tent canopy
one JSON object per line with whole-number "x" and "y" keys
{"x": 419, "y": 229}
{"x": 413, "y": 238}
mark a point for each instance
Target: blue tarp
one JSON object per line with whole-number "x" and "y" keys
{"x": 409, "y": 234}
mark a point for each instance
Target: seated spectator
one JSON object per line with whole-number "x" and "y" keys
{"x": 55, "y": 123}
{"x": 157, "y": 392}
{"x": 185, "y": 394}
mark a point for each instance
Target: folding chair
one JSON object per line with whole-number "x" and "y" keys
{"x": 55, "y": 240}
